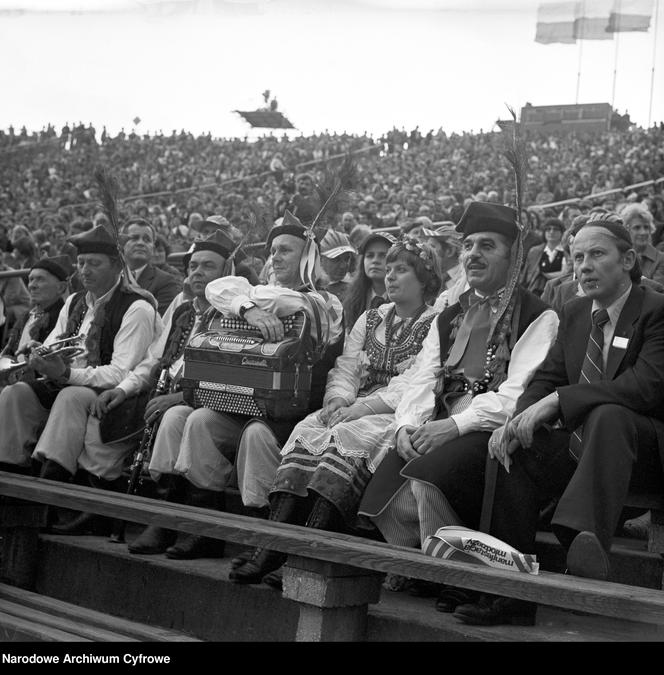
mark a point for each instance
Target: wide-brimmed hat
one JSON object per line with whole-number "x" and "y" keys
{"x": 389, "y": 239}
{"x": 334, "y": 244}
{"x": 445, "y": 229}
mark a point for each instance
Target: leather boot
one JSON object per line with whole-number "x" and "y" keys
{"x": 88, "y": 523}
{"x": 51, "y": 470}
{"x": 261, "y": 512}
{"x": 191, "y": 546}
{"x": 155, "y": 539}
{"x": 284, "y": 508}
{"x": 325, "y": 516}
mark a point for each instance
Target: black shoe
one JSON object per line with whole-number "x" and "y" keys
{"x": 450, "y": 597}
{"x": 242, "y": 558}
{"x": 275, "y": 580}
{"x": 152, "y": 540}
{"x": 83, "y": 523}
{"x": 262, "y": 563}
{"x": 587, "y": 558}
{"x": 493, "y": 610}
{"x": 192, "y": 546}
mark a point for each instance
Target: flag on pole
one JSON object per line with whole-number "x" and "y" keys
{"x": 592, "y": 22}
{"x": 630, "y": 15}
{"x": 555, "y": 22}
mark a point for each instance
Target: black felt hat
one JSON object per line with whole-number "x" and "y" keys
{"x": 96, "y": 240}
{"x": 289, "y": 225}
{"x": 488, "y": 217}
{"x": 59, "y": 266}
{"x": 219, "y": 243}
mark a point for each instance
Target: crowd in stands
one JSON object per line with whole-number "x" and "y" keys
{"x": 386, "y": 300}
{"x": 46, "y": 177}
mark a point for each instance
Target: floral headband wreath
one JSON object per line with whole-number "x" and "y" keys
{"x": 416, "y": 247}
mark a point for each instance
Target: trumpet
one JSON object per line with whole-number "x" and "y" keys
{"x": 11, "y": 370}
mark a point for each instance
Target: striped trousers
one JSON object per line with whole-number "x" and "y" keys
{"x": 416, "y": 511}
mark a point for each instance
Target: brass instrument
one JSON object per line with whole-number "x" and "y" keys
{"x": 142, "y": 455}
{"x": 11, "y": 370}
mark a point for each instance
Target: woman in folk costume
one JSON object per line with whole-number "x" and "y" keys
{"x": 331, "y": 455}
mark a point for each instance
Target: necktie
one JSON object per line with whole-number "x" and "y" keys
{"x": 592, "y": 370}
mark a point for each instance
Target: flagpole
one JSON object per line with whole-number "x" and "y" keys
{"x": 654, "y": 53}
{"x": 578, "y": 74}
{"x": 615, "y": 57}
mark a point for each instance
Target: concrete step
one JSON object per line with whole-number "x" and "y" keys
{"x": 631, "y": 562}
{"x": 196, "y": 598}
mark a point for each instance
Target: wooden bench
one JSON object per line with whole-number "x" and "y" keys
{"x": 29, "y": 616}
{"x": 335, "y": 577}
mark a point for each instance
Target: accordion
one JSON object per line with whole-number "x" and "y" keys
{"x": 230, "y": 367}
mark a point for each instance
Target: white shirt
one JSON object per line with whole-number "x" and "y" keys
{"x": 454, "y": 287}
{"x": 25, "y": 335}
{"x": 139, "y": 378}
{"x": 487, "y": 411}
{"x": 133, "y": 338}
{"x": 552, "y": 252}
{"x": 614, "y": 310}
{"x": 227, "y": 295}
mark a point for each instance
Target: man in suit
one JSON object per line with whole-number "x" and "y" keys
{"x": 601, "y": 389}
{"x": 139, "y": 251}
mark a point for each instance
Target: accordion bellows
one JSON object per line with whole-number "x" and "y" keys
{"x": 465, "y": 545}
{"x": 229, "y": 367}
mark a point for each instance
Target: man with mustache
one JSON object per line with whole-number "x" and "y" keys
{"x": 590, "y": 425}
{"x": 465, "y": 382}
{"x": 118, "y": 324}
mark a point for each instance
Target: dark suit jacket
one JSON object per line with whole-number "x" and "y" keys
{"x": 652, "y": 264}
{"x": 531, "y": 277}
{"x": 634, "y": 376}
{"x": 163, "y": 286}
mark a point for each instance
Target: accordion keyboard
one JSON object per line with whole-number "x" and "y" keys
{"x": 224, "y": 401}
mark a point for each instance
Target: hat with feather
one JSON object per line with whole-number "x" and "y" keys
{"x": 223, "y": 245}
{"x": 331, "y": 192}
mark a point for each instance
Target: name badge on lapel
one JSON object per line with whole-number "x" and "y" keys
{"x": 620, "y": 342}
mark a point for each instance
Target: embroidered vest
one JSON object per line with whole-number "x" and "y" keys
{"x": 115, "y": 310}
{"x": 384, "y": 358}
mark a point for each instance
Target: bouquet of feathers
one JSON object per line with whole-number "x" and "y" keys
{"x": 108, "y": 195}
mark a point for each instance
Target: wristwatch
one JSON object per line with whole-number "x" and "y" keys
{"x": 246, "y": 306}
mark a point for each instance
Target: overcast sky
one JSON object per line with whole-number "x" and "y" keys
{"x": 349, "y": 65}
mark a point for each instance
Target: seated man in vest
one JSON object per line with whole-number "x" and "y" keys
{"x": 138, "y": 252}
{"x": 589, "y": 427}
{"x": 119, "y": 325}
{"x": 206, "y": 260}
{"x": 47, "y": 285}
{"x": 200, "y": 444}
{"x": 465, "y": 382}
